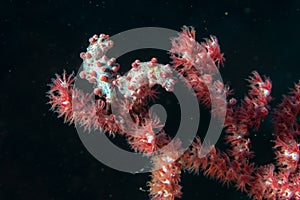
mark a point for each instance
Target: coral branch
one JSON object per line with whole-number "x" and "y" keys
{"x": 196, "y": 62}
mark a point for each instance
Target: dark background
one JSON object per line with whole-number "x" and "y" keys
{"x": 42, "y": 158}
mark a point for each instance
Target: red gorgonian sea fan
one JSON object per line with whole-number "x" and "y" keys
{"x": 194, "y": 61}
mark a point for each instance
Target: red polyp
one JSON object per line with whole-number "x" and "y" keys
{"x": 103, "y": 69}
{"x": 115, "y": 69}
{"x": 82, "y": 55}
{"x": 98, "y": 64}
{"x": 97, "y": 91}
{"x": 139, "y": 91}
{"x": 154, "y": 60}
{"x": 93, "y": 73}
{"x": 134, "y": 64}
{"x": 103, "y": 78}
{"x": 88, "y": 55}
